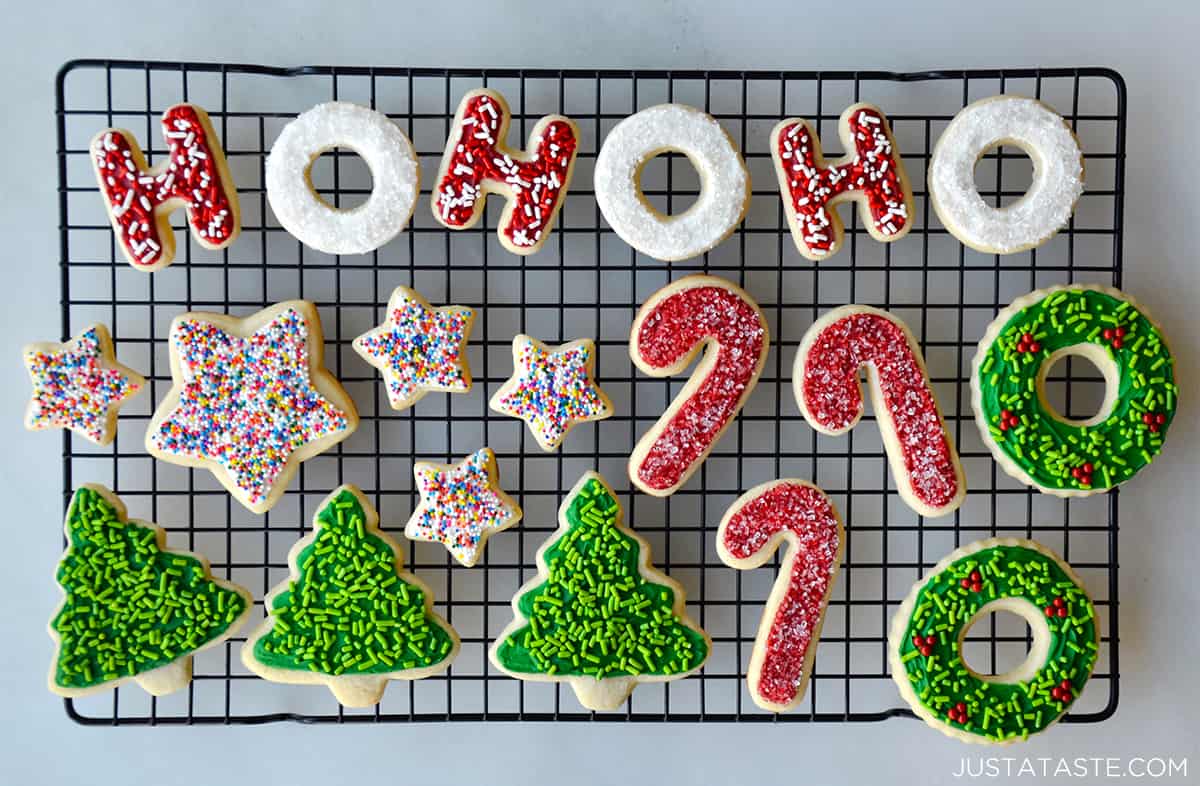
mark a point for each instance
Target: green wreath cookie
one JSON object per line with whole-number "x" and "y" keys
{"x": 998, "y": 574}
{"x": 1040, "y": 447}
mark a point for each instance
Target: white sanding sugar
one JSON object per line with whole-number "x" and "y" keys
{"x": 381, "y": 144}
{"x": 724, "y": 189}
{"x": 1057, "y": 174}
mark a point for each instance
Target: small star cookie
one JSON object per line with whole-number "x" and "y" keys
{"x": 79, "y": 385}
{"x": 461, "y": 505}
{"x": 552, "y": 389}
{"x": 251, "y": 399}
{"x": 419, "y": 348}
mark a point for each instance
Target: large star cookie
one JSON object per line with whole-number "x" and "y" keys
{"x": 461, "y": 505}
{"x": 251, "y": 399}
{"x": 419, "y": 348}
{"x": 552, "y": 389}
{"x": 79, "y": 385}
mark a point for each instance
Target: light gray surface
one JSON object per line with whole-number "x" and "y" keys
{"x": 1154, "y": 51}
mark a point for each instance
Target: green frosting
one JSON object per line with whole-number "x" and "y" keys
{"x": 1056, "y": 454}
{"x": 934, "y": 665}
{"x": 130, "y": 607}
{"x": 350, "y": 611}
{"x": 596, "y": 614}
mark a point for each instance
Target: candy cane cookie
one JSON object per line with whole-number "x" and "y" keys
{"x": 477, "y": 162}
{"x": 1043, "y": 448}
{"x": 140, "y": 200}
{"x": 1057, "y": 174}
{"x": 924, "y": 462}
{"x": 998, "y": 574}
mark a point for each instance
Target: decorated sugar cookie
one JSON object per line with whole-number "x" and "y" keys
{"x": 251, "y": 399}
{"x": 597, "y": 615}
{"x": 461, "y": 505}
{"x": 132, "y": 608}
{"x": 419, "y": 348}
{"x": 552, "y": 389}
{"x": 872, "y": 175}
{"x": 924, "y": 461}
{"x": 1057, "y": 174}
{"x": 79, "y": 385}
{"x": 478, "y": 162}
{"x": 140, "y": 200}
{"x": 349, "y": 617}
{"x": 1041, "y": 447}
{"x": 694, "y": 314}
{"x": 999, "y": 574}
{"x": 796, "y": 515}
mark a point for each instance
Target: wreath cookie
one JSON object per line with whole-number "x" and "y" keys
{"x": 997, "y": 574}
{"x": 1035, "y": 444}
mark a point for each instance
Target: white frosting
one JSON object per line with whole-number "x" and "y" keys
{"x": 724, "y": 181}
{"x": 1057, "y": 174}
{"x": 388, "y": 154}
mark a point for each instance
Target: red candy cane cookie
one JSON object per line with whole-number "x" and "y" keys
{"x": 826, "y": 383}
{"x": 140, "y": 200}
{"x": 753, "y": 529}
{"x": 693, "y": 314}
{"x": 872, "y": 175}
{"x": 477, "y": 162}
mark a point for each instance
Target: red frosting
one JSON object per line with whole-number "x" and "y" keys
{"x": 807, "y": 514}
{"x": 191, "y": 175}
{"x": 668, "y": 333}
{"x": 874, "y": 171}
{"x": 534, "y": 186}
{"x": 833, "y": 397}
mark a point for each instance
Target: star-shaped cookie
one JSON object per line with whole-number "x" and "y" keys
{"x": 552, "y": 389}
{"x": 251, "y": 399}
{"x": 462, "y": 505}
{"x": 79, "y": 385}
{"x": 419, "y": 348}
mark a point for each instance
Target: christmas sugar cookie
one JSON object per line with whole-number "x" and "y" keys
{"x": 477, "y": 162}
{"x": 694, "y": 314}
{"x": 133, "y": 609}
{"x": 597, "y": 615}
{"x": 251, "y": 399}
{"x": 924, "y": 461}
{"x": 349, "y": 617}
{"x": 1041, "y": 447}
{"x": 140, "y": 200}
{"x": 79, "y": 385}
{"x": 419, "y": 348}
{"x": 998, "y": 574}
{"x": 461, "y": 505}
{"x": 552, "y": 389}
{"x": 795, "y": 514}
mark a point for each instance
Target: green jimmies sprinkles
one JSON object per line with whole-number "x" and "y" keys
{"x": 1037, "y": 445}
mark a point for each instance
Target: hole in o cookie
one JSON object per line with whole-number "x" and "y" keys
{"x": 1010, "y": 167}
{"x": 1011, "y": 657}
{"x": 1079, "y": 385}
{"x": 670, "y": 183}
{"x": 341, "y": 178}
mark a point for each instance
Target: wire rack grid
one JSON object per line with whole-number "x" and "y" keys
{"x": 585, "y": 282}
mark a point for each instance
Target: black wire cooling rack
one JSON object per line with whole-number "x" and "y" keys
{"x": 585, "y": 282}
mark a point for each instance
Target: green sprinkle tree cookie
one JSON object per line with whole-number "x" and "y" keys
{"x": 598, "y": 615}
{"x": 349, "y": 617}
{"x": 132, "y": 608}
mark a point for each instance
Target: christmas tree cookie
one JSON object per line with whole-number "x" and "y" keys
{"x": 132, "y": 608}
{"x": 598, "y": 615}
{"x": 348, "y": 617}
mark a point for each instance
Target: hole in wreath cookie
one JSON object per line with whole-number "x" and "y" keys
{"x": 341, "y": 178}
{"x": 1012, "y": 662}
{"x": 673, "y": 168}
{"x": 1078, "y": 385}
{"x": 1009, "y": 165}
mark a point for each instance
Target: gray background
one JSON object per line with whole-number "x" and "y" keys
{"x": 1152, "y": 48}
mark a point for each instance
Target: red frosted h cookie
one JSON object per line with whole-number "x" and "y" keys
{"x": 826, "y": 383}
{"x": 693, "y": 314}
{"x": 140, "y": 200}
